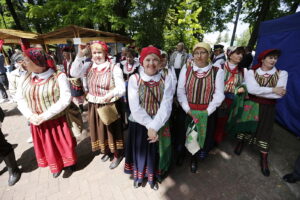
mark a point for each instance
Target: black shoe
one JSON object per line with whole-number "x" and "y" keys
{"x": 13, "y": 169}
{"x": 55, "y": 175}
{"x": 105, "y": 157}
{"x": 290, "y": 178}
{"x": 194, "y": 165}
{"x": 14, "y": 176}
{"x": 238, "y": 149}
{"x": 154, "y": 186}
{"x": 115, "y": 163}
{"x": 136, "y": 184}
{"x": 264, "y": 164}
{"x": 68, "y": 171}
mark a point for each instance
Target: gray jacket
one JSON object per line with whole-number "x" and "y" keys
{"x": 183, "y": 58}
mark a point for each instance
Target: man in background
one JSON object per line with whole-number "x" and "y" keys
{"x": 178, "y": 58}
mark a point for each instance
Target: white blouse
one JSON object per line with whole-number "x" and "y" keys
{"x": 218, "y": 95}
{"x": 80, "y": 66}
{"x": 132, "y": 67}
{"x": 219, "y": 62}
{"x": 62, "y": 103}
{"x": 138, "y": 113}
{"x": 265, "y": 92}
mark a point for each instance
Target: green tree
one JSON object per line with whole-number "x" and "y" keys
{"x": 148, "y": 21}
{"x": 182, "y": 24}
{"x": 257, "y": 11}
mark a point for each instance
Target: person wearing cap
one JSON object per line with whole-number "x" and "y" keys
{"x": 233, "y": 82}
{"x": 106, "y": 86}
{"x": 178, "y": 58}
{"x": 200, "y": 91}
{"x": 148, "y": 148}
{"x": 43, "y": 95}
{"x": 76, "y": 85}
{"x": 265, "y": 83}
{"x": 219, "y": 56}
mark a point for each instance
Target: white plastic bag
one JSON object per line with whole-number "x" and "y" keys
{"x": 191, "y": 142}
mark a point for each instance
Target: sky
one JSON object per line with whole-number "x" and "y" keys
{"x": 212, "y": 37}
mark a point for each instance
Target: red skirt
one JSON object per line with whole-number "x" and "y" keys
{"x": 221, "y": 123}
{"x": 54, "y": 144}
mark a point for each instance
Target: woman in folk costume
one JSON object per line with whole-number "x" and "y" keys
{"x": 129, "y": 67}
{"x": 233, "y": 82}
{"x": 106, "y": 87}
{"x": 265, "y": 84}
{"x": 43, "y": 97}
{"x": 76, "y": 85}
{"x": 200, "y": 91}
{"x": 148, "y": 147}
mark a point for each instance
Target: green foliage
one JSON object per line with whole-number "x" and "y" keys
{"x": 182, "y": 24}
{"x": 162, "y": 23}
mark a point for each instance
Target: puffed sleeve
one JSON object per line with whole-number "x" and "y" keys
{"x": 119, "y": 89}
{"x": 282, "y": 82}
{"x": 181, "y": 93}
{"x": 218, "y": 95}
{"x": 79, "y": 67}
{"x": 22, "y": 103}
{"x": 253, "y": 87}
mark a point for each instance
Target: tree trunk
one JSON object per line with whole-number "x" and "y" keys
{"x": 121, "y": 9}
{"x": 14, "y": 14}
{"x": 261, "y": 17}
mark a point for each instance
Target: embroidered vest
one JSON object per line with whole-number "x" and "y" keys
{"x": 42, "y": 95}
{"x": 232, "y": 78}
{"x": 270, "y": 81}
{"x": 151, "y": 94}
{"x": 200, "y": 90}
{"x": 100, "y": 82}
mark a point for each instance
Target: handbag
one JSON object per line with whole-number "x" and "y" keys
{"x": 108, "y": 113}
{"x": 74, "y": 119}
{"x": 191, "y": 142}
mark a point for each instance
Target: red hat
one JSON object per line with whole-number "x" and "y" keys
{"x": 40, "y": 58}
{"x": 264, "y": 54}
{"x": 103, "y": 44}
{"x": 149, "y": 50}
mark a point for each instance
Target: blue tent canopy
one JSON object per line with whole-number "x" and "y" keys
{"x": 284, "y": 34}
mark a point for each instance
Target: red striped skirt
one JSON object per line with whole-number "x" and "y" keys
{"x": 54, "y": 144}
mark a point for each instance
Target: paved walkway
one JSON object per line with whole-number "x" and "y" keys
{"x": 222, "y": 176}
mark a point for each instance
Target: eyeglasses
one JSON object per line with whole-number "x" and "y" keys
{"x": 200, "y": 52}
